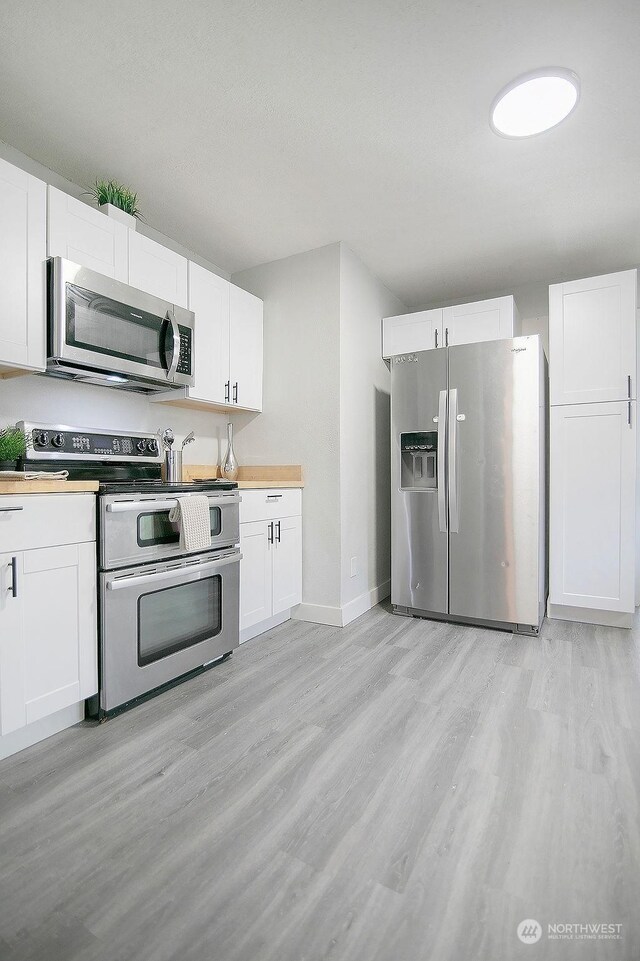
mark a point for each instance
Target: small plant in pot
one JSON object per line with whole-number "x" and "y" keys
{"x": 116, "y": 201}
{"x": 13, "y": 446}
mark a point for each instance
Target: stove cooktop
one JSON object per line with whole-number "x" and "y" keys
{"x": 146, "y": 486}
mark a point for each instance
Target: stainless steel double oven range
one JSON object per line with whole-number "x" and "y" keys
{"x": 163, "y": 614}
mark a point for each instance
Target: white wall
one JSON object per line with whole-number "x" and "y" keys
{"x": 41, "y": 398}
{"x": 300, "y": 423}
{"x": 365, "y": 491}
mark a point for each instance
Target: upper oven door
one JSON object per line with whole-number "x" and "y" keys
{"x": 103, "y": 324}
{"x": 136, "y": 529}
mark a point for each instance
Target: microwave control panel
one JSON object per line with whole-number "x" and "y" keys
{"x": 184, "y": 363}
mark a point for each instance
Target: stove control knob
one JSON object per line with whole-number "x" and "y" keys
{"x": 141, "y": 446}
{"x": 58, "y": 440}
{"x": 41, "y": 439}
{"x": 152, "y": 446}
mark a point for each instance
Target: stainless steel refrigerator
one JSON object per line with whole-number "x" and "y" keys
{"x": 468, "y": 483}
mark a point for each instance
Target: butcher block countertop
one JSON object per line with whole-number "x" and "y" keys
{"x": 268, "y": 476}
{"x": 47, "y": 487}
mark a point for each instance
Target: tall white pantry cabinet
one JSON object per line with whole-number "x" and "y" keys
{"x": 593, "y": 369}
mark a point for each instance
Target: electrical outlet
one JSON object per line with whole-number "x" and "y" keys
{"x": 354, "y": 566}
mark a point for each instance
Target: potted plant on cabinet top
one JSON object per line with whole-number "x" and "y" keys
{"x": 13, "y": 446}
{"x": 116, "y": 201}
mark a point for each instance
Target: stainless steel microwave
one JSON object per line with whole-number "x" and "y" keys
{"x": 102, "y": 331}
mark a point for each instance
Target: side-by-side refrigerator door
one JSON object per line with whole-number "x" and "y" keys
{"x": 495, "y": 480}
{"x": 418, "y": 481}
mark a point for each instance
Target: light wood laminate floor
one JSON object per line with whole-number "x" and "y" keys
{"x": 397, "y": 790}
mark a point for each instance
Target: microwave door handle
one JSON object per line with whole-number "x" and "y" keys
{"x": 175, "y": 356}
{"x": 177, "y": 573}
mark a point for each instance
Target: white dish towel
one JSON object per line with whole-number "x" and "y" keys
{"x": 192, "y": 515}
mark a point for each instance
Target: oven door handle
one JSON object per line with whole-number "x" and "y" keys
{"x": 119, "y": 583}
{"x": 127, "y": 507}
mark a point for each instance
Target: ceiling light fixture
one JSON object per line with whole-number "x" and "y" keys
{"x": 535, "y": 102}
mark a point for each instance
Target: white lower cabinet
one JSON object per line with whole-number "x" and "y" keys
{"x": 271, "y": 566}
{"x": 592, "y": 511}
{"x": 48, "y": 638}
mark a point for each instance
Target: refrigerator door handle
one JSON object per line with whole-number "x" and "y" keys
{"x": 454, "y": 518}
{"x": 442, "y": 432}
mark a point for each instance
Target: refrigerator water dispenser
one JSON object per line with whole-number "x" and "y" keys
{"x": 419, "y": 460}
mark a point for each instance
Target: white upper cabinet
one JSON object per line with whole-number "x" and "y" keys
{"x": 157, "y": 270}
{"x": 495, "y": 319}
{"x": 23, "y": 233}
{"x": 245, "y": 349}
{"x": 86, "y": 236}
{"x": 592, "y": 339}
{"x": 407, "y": 333}
{"x": 228, "y": 346}
{"x": 592, "y": 506}
{"x": 209, "y": 300}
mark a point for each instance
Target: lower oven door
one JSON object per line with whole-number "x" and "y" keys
{"x": 161, "y": 621}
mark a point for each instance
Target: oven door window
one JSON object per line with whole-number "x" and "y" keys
{"x": 156, "y": 528}
{"x": 173, "y": 618}
{"x": 106, "y": 326}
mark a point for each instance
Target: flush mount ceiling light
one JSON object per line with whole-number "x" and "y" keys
{"x": 535, "y": 102}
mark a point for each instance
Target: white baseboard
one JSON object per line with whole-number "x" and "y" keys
{"x": 587, "y": 616}
{"x": 318, "y": 614}
{"x": 255, "y": 629}
{"x": 341, "y": 616}
{"x": 363, "y": 603}
{"x": 40, "y": 729}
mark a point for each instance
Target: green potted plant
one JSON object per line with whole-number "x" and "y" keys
{"x": 116, "y": 201}
{"x": 13, "y": 446}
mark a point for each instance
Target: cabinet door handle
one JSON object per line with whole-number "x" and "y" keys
{"x": 436, "y": 332}
{"x": 629, "y": 413}
{"x": 270, "y": 534}
{"x": 6, "y": 510}
{"x": 446, "y": 337}
{"x": 14, "y": 576}
{"x": 629, "y": 386}
{"x": 227, "y": 388}
{"x": 278, "y": 531}
{"x": 235, "y": 393}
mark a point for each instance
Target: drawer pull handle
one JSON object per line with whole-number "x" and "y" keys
{"x": 273, "y": 497}
{"x": 6, "y": 510}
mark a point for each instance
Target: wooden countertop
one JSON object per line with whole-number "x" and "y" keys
{"x": 47, "y": 487}
{"x": 266, "y": 476}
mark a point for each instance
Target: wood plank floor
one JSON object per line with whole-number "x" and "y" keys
{"x": 397, "y": 790}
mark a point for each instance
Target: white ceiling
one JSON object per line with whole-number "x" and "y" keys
{"x": 254, "y": 129}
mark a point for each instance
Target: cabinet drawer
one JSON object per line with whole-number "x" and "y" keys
{"x": 29, "y": 521}
{"x": 265, "y": 504}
